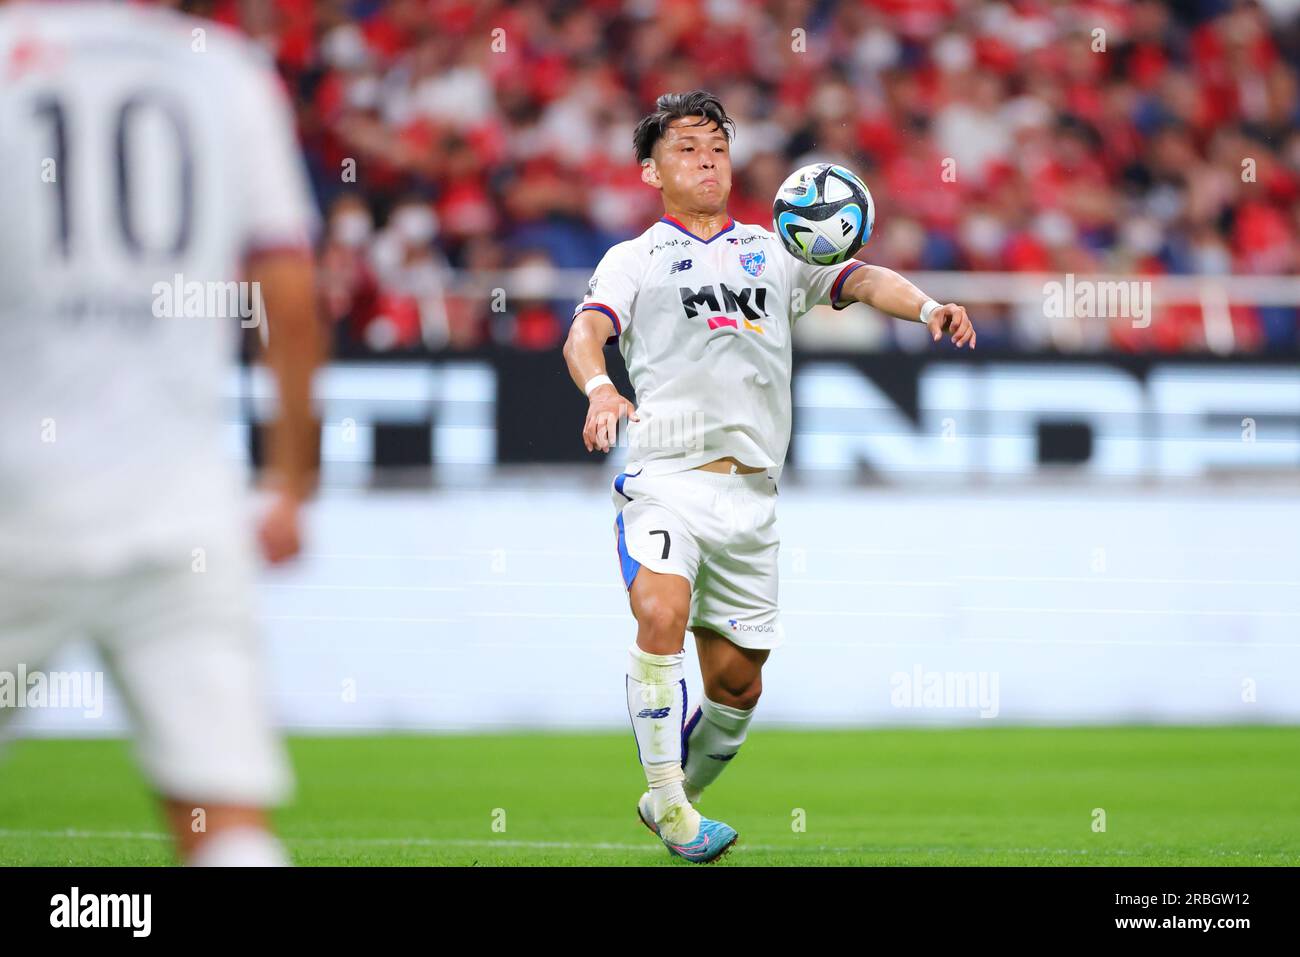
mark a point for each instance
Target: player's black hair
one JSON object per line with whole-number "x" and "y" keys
{"x": 676, "y": 106}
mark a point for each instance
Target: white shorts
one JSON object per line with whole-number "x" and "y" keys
{"x": 180, "y": 646}
{"x": 717, "y": 531}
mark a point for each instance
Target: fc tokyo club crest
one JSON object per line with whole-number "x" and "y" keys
{"x": 753, "y": 263}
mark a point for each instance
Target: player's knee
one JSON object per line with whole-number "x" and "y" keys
{"x": 739, "y": 694}
{"x": 662, "y": 624}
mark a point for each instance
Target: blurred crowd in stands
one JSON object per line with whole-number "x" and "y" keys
{"x": 451, "y": 139}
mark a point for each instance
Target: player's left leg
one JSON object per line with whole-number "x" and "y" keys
{"x": 736, "y": 621}
{"x": 733, "y": 682}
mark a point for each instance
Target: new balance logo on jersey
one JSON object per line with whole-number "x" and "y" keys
{"x": 682, "y": 266}
{"x": 731, "y": 301}
{"x": 653, "y": 712}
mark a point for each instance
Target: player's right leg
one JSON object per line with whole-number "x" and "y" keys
{"x": 182, "y": 648}
{"x": 656, "y": 695}
{"x": 659, "y": 558}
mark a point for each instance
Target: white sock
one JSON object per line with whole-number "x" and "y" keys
{"x": 656, "y": 703}
{"x": 714, "y": 735}
{"x": 239, "y": 847}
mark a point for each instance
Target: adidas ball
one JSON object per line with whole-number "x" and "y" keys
{"x": 823, "y": 214}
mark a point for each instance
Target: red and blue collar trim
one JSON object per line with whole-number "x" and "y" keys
{"x": 674, "y": 221}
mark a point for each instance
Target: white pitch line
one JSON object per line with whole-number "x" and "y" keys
{"x": 646, "y": 846}
{"x": 88, "y": 835}
{"x": 362, "y": 841}
{"x": 611, "y": 846}
{"x": 465, "y": 842}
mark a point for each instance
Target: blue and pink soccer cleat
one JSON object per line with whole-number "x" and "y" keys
{"x": 712, "y": 841}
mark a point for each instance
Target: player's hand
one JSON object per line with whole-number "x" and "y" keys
{"x": 603, "y": 413}
{"x": 952, "y": 318}
{"x": 278, "y": 533}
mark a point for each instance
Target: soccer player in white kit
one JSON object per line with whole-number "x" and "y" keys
{"x": 702, "y": 308}
{"x": 142, "y": 148}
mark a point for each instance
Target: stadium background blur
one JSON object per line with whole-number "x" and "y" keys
{"x": 490, "y": 136}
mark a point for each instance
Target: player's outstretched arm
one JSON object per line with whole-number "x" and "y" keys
{"x": 294, "y": 349}
{"x": 584, "y": 353}
{"x": 892, "y": 293}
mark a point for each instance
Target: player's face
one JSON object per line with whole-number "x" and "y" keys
{"x": 692, "y": 165}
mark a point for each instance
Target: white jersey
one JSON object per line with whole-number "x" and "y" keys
{"x": 142, "y": 150}
{"x": 704, "y": 327}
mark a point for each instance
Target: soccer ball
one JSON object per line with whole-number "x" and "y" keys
{"x": 823, "y": 214}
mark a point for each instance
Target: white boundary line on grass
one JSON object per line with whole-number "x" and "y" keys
{"x": 593, "y": 845}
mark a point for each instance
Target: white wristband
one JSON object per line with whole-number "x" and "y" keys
{"x": 595, "y": 382}
{"x": 928, "y": 309}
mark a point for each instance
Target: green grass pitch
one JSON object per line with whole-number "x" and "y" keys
{"x": 1196, "y": 796}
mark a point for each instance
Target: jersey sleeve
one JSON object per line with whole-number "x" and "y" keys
{"x": 613, "y": 287}
{"x": 277, "y": 211}
{"x": 821, "y": 284}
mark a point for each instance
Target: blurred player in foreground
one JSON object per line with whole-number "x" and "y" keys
{"x": 702, "y": 307}
{"x": 144, "y": 150}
